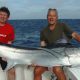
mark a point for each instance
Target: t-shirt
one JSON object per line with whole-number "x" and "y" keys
{"x": 61, "y": 33}
{"x": 6, "y": 33}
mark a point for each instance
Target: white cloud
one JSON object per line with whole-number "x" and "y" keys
{"x": 3, "y": 3}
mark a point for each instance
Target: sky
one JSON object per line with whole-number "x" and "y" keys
{"x": 37, "y": 9}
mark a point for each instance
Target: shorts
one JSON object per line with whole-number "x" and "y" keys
{"x": 3, "y": 64}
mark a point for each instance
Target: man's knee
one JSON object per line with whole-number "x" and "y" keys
{"x": 40, "y": 70}
{"x": 57, "y": 69}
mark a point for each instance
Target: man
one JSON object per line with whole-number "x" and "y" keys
{"x": 6, "y": 37}
{"x": 54, "y": 33}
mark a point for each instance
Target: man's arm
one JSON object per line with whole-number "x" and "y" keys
{"x": 42, "y": 39}
{"x": 76, "y": 36}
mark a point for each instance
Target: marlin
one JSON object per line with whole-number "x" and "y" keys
{"x": 58, "y": 56}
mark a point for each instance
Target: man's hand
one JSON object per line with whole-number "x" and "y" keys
{"x": 9, "y": 42}
{"x": 76, "y": 36}
{"x": 43, "y": 44}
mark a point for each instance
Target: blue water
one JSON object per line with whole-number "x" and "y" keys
{"x": 27, "y": 32}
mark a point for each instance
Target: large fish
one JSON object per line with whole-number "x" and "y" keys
{"x": 61, "y": 56}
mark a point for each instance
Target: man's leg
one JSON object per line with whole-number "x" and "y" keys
{"x": 11, "y": 74}
{"x": 38, "y": 72}
{"x": 59, "y": 73}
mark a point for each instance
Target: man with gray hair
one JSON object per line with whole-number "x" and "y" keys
{"x": 55, "y": 33}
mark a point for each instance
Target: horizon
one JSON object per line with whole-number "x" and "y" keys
{"x": 41, "y": 19}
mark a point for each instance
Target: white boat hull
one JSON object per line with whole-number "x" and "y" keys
{"x": 23, "y": 73}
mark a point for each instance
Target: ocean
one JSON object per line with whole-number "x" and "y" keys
{"x": 27, "y": 32}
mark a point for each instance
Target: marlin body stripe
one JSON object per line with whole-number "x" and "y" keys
{"x": 61, "y": 56}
